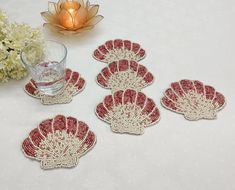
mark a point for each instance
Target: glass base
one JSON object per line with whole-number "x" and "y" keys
{"x": 52, "y": 89}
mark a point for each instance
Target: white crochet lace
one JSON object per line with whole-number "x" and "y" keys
{"x": 62, "y": 97}
{"x": 119, "y": 54}
{"x": 59, "y": 149}
{"x": 126, "y": 80}
{"x": 127, "y": 119}
{"x": 196, "y": 106}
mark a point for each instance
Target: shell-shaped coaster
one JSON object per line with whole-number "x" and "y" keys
{"x": 114, "y": 50}
{"x": 193, "y": 99}
{"x": 128, "y": 111}
{"x": 124, "y": 74}
{"x": 59, "y": 142}
{"x": 74, "y": 85}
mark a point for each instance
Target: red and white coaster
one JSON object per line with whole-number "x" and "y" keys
{"x": 124, "y": 74}
{"x": 128, "y": 111}
{"x": 193, "y": 99}
{"x": 59, "y": 142}
{"x": 75, "y": 84}
{"x": 114, "y": 50}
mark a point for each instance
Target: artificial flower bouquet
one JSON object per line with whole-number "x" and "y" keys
{"x": 13, "y": 38}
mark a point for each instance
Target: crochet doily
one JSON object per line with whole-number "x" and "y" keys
{"x": 74, "y": 85}
{"x": 59, "y": 142}
{"x": 193, "y": 99}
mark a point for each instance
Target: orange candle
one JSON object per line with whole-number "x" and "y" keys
{"x": 72, "y": 16}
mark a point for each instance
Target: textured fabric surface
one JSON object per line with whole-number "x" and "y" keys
{"x": 183, "y": 39}
{"x": 59, "y": 142}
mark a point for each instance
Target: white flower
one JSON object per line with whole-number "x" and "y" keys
{"x": 13, "y": 38}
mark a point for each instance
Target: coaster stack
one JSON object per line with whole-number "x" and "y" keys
{"x": 127, "y": 109}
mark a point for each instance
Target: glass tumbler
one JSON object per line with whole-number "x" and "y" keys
{"x": 46, "y": 65}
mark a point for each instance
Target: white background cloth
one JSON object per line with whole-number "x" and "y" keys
{"x": 183, "y": 39}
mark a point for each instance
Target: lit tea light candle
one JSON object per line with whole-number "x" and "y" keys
{"x": 72, "y": 16}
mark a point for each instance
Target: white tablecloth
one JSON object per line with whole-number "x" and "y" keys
{"x": 183, "y": 39}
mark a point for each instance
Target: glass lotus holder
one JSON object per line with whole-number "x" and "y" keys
{"x": 71, "y": 16}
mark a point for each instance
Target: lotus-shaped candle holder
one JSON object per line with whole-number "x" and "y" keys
{"x": 71, "y": 16}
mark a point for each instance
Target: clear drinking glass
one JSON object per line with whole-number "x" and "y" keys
{"x": 46, "y": 65}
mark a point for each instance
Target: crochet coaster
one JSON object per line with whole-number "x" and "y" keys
{"x": 59, "y": 142}
{"x": 193, "y": 99}
{"x": 124, "y": 74}
{"x": 128, "y": 111}
{"x": 75, "y": 84}
{"x": 114, "y": 50}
